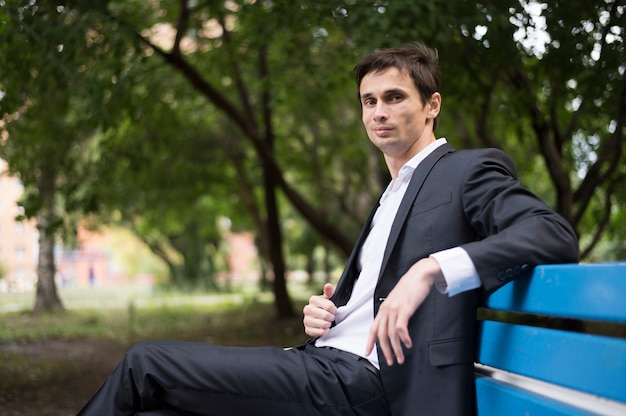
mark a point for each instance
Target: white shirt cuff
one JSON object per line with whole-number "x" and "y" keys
{"x": 458, "y": 270}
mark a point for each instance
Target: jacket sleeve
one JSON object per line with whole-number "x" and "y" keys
{"x": 516, "y": 230}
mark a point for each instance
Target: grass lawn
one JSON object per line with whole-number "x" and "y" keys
{"x": 129, "y": 314}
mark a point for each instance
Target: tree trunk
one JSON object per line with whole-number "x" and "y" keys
{"x": 283, "y": 303}
{"x": 46, "y": 298}
{"x": 284, "y": 306}
{"x": 161, "y": 253}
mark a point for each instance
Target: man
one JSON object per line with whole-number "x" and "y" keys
{"x": 397, "y": 335}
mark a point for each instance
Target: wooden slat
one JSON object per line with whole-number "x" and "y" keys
{"x": 500, "y": 399}
{"x": 589, "y": 363}
{"x": 585, "y": 291}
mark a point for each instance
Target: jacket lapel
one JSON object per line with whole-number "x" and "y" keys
{"x": 417, "y": 180}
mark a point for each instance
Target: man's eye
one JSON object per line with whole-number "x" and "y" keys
{"x": 368, "y": 102}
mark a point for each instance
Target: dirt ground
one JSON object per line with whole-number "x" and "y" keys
{"x": 54, "y": 378}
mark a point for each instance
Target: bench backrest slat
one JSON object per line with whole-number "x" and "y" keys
{"x": 589, "y": 363}
{"x": 498, "y": 399}
{"x": 585, "y": 291}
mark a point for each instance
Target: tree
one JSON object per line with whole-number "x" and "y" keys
{"x": 43, "y": 136}
{"x": 49, "y": 117}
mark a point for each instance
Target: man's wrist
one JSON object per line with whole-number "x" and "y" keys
{"x": 439, "y": 281}
{"x": 458, "y": 270}
{"x": 431, "y": 271}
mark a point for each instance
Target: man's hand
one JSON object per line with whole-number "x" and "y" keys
{"x": 320, "y": 312}
{"x": 391, "y": 323}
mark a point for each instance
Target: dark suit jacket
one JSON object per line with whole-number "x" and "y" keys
{"x": 471, "y": 199}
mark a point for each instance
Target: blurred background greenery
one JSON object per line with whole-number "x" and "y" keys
{"x": 184, "y": 121}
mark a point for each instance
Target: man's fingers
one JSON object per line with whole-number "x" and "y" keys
{"x": 396, "y": 344}
{"x": 373, "y": 337}
{"x": 328, "y": 290}
{"x": 324, "y": 312}
{"x": 386, "y": 349}
{"x": 321, "y": 302}
{"x": 403, "y": 332}
{"x": 315, "y": 327}
{"x": 316, "y": 322}
{"x": 319, "y": 313}
{"x": 380, "y": 331}
{"x": 390, "y": 330}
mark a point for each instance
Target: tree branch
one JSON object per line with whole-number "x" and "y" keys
{"x": 483, "y": 133}
{"x": 251, "y": 132}
{"x": 610, "y": 155}
{"x": 244, "y": 96}
{"x": 181, "y": 27}
{"x": 604, "y": 221}
{"x": 550, "y": 151}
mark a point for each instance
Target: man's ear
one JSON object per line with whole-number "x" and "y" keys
{"x": 434, "y": 105}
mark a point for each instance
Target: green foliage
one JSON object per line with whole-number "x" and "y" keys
{"x": 56, "y": 95}
{"x": 156, "y": 133}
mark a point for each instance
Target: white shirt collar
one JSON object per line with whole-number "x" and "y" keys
{"x": 406, "y": 171}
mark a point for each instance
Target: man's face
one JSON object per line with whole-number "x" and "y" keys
{"x": 396, "y": 120}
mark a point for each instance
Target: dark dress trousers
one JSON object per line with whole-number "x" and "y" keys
{"x": 163, "y": 378}
{"x": 468, "y": 198}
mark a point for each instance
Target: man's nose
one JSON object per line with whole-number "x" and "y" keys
{"x": 380, "y": 112}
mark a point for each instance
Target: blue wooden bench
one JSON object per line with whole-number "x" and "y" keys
{"x": 562, "y": 350}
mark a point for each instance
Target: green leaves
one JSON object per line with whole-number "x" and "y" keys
{"x": 149, "y": 111}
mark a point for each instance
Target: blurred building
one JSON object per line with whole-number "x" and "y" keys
{"x": 18, "y": 239}
{"x": 89, "y": 264}
{"x": 19, "y": 248}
